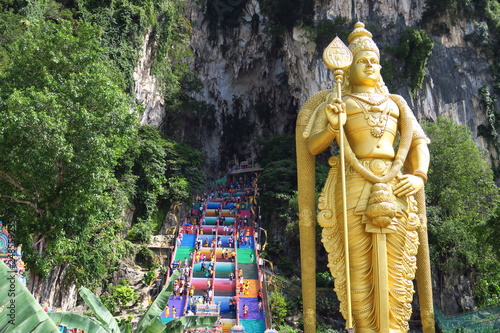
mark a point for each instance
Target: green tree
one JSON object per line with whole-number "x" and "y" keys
{"x": 64, "y": 126}
{"x": 11, "y": 27}
{"x": 184, "y": 172}
{"x": 156, "y": 172}
{"x": 277, "y": 181}
{"x": 326, "y": 30}
{"x": 461, "y": 180}
{"x": 123, "y": 24}
{"x": 279, "y": 178}
{"x": 142, "y": 173}
{"x": 286, "y": 329}
{"x": 461, "y": 198}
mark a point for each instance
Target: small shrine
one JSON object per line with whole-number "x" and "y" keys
{"x": 11, "y": 255}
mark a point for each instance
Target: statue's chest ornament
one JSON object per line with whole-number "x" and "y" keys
{"x": 375, "y": 116}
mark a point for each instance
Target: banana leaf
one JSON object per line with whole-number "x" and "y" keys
{"x": 157, "y": 307}
{"x": 73, "y": 320}
{"x": 21, "y": 313}
{"x": 155, "y": 327}
{"x": 189, "y": 322}
{"x": 125, "y": 327}
{"x": 99, "y": 310}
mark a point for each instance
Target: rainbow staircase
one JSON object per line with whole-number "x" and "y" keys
{"x": 216, "y": 250}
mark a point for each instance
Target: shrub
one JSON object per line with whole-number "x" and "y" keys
{"x": 120, "y": 298}
{"x": 140, "y": 233}
{"x": 415, "y": 48}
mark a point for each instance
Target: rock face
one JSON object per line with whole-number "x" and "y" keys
{"x": 453, "y": 293}
{"x": 247, "y": 84}
{"x": 252, "y": 86}
{"x": 256, "y": 90}
{"x": 55, "y": 289}
{"x": 146, "y": 87}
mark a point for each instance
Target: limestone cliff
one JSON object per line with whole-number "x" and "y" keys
{"x": 255, "y": 88}
{"x": 250, "y": 83}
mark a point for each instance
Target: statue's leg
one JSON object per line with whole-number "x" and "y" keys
{"x": 401, "y": 248}
{"x": 360, "y": 255}
{"x": 401, "y": 252}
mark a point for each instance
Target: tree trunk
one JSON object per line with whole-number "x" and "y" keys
{"x": 53, "y": 289}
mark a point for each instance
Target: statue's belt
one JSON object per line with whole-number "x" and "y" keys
{"x": 378, "y": 166}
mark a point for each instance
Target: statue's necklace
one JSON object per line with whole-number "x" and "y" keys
{"x": 371, "y": 99}
{"x": 376, "y": 117}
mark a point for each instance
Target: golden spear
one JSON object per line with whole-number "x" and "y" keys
{"x": 337, "y": 57}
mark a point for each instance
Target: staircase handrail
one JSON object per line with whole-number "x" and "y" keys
{"x": 291, "y": 288}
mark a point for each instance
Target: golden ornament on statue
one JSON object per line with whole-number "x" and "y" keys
{"x": 337, "y": 55}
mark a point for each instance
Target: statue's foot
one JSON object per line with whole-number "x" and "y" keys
{"x": 368, "y": 330}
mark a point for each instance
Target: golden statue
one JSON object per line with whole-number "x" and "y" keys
{"x": 372, "y": 207}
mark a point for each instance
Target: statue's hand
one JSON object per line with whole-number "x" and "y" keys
{"x": 333, "y": 111}
{"x": 408, "y": 185}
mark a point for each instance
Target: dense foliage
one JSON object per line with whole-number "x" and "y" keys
{"x": 157, "y": 172}
{"x": 279, "y": 307}
{"x": 64, "y": 126}
{"x": 121, "y": 296}
{"x": 73, "y": 156}
{"x": 461, "y": 198}
{"x": 123, "y": 25}
{"x": 414, "y": 49}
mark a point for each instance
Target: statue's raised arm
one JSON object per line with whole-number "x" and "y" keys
{"x": 383, "y": 199}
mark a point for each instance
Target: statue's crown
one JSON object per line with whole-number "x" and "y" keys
{"x": 360, "y": 39}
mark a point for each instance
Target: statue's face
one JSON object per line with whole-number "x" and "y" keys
{"x": 365, "y": 69}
